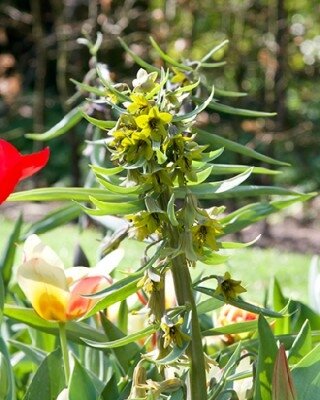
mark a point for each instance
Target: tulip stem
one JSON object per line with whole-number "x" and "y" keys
{"x": 65, "y": 354}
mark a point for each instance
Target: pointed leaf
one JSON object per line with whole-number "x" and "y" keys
{"x": 192, "y": 114}
{"x": 282, "y": 384}
{"x": 167, "y": 58}
{"x": 101, "y": 124}
{"x": 69, "y": 121}
{"x": 110, "y": 208}
{"x": 81, "y": 386}
{"x": 34, "y": 354}
{"x": 302, "y": 344}
{"x": 7, "y": 379}
{"x": 171, "y": 211}
{"x": 281, "y": 326}
{"x": 214, "y": 105}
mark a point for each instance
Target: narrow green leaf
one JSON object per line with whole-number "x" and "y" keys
{"x": 87, "y": 88}
{"x": 137, "y": 59}
{"x": 174, "y": 354}
{"x": 192, "y": 114}
{"x": 219, "y": 141}
{"x": 2, "y": 297}
{"x": 171, "y": 211}
{"x": 81, "y": 386}
{"x": 240, "y": 303}
{"x": 69, "y": 121}
{"x": 208, "y": 305}
{"x": 211, "y": 258}
{"x": 104, "y": 125}
{"x": 123, "y": 341}
{"x": 201, "y": 176}
{"x": 111, "y": 208}
{"x": 213, "y": 65}
{"x": 167, "y": 58}
{"x": 124, "y": 354}
{"x": 34, "y": 354}
{"x": 225, "y": 169}
{"x": 306, "y": 375}
{"x": 48, "y": 381}
{"x": 254, "y": 212}
{"x": 240, "y": 327}
{"x": 7, "y": 379}
{"x": 106, "y": 171}
{"x": 227, "y": 93}
{"x": 53, "y": 219}
{"x": 9, "y": 252}
{"x": 302, "y": 344}
{"x": 123, "y": 317}
{"x": 71, "y": 193}
{"x": 110, "y": 86}
{"x": 214, "y": 50}
{"x": 214, "y": 105}
{"x": 266, "y": 358}
{"x": 234, "y": 245}
{"x": 120, "y": 189}
{"x": 282, "y": 384}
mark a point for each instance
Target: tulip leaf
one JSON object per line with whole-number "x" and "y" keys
{"x": 49, "y": 379}
{"x": 110, "y": 390}
{"x": 126, "y": 353}
{"x": 69, "y": 121}
{"x": 71, "y": 193}
{"x": 8, "y": 254}
{"x": 53, "y": 219}
{"x": 208, "y": 305}
{"x": 302, "y": 344}
{"x": 306, "y": 375}
{"x": 219, "y": 141}
{"x": 267, "y": 352}
{"x": 7, "y": 379}
{"x": 81, "y": 386}
{"x": 123, "y": 341}
{"x": 281, "y": 326}
{"x": 101, "y": 124}
{"x": 34, "y": 354}
{"x": 282, "y": 384}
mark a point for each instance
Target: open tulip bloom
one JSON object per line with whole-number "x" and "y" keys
{"x": 57, "y": 294}
{"x": 15, "y": 166}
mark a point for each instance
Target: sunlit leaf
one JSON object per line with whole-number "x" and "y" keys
{"x": 81, "y": 386}
{"x": 167, "y": 58}
{"x": 302, "y": 344}
{"x": 101, "y": 124}
{"x": 282, "y": 384}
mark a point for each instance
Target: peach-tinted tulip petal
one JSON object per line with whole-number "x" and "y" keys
{"x": 79, "y": 305}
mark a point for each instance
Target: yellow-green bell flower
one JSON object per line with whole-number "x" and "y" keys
{"x": 204, "y": 234}
{"x": 139, "y": 105}
{"x": 228, "y": 287}
{"x": 173, "y": 333}
{"x": 153, "y": 123}
{"x": 144, "y": 224}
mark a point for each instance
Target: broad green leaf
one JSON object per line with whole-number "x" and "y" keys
{"x": 110, "y": 391}
{"x": 48, "y": 381}
{"x": 306, "y": 375}
{"x": 254, "y": 212}
{"x": 101, "y": 124}
{"x": 34, "y": 354}
{"x": 111, "y": 208}
{"x": 208, "y": 305}
{"x": 69, "y": 121}
{"x": 74, "y": 330}
{"x": 81, "y": 386}
{"x": 302, "y": 344}
{"x": 214, "y": 105}
{"x": 219, "y": 141}
{"x": 53, "y": 219}
{"x": 123, "y": 341}
{"x": 206, "y": 190}
{"x": 281, "y": 326}
{"x": 63, "y": 193}
{"x": 192, "y": 114}
{"x": 124, "y": 354}
{"x": 300, "y": 313}
{"x": 240, "y": 303}
{"x": 282, "y": 384}
{"x": 266, "y": 358}
{"x": 8, "y": 254}
{"x": 7, "y": 379}
{"x": 137, "y": 59}
{"x": 167, "y": 58}
{"x": 171, "y": 211}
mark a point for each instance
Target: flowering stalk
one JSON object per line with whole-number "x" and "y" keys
{"x": 65, "y": 353}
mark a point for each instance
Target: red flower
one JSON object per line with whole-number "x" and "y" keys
{"x": 15, "y": 166}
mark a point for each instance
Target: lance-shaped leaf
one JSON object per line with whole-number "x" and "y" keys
{"x": 213, "y": 51}
{"x": 7, "y": 386}
{"x": 225, "y": 169}
{"x": 120, "y": 189}
{"x": 111, "y": 208}
{"x": 302, "y": 344}
{"x": 34, "y": 354}
{"x": 69, "y": 121}
{"x": 171, "y": 211}
{"x": 214, "y": 105}
{"x": 282, "y": 384}
{"x": 228, "y": 93}
{"x": 101, "y": 124}
{"x": 72, "y": 193}
{"x": 106, "y": 171}
{"x": 192, "y": 114}
{"x": 81, "y": 386}
{"x": 266, "y": 358}
{"x": 281, "y": 326}
{"x": 219, "y": 141}
{"x": 110, "y": 87}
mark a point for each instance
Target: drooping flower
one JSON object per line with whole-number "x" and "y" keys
{"x": 144, "y": 224}
{"x": 172, "y": 332}
{"x": 228, "y": 287}
{"x": 153, "y": 123}
{"x": 139, "y": 105}
{"x": 57, "y": 294}
{"x": 145, "y": 82}
{"x": 15, "y": 166}
{"x": 204, "y": 235}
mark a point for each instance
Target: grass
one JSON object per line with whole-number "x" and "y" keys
{"x": 254, "y": 267}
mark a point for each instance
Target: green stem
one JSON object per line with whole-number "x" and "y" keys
{"x": 65, "y": 354}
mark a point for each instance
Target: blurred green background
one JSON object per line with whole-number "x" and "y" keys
{"x": 273, "y": 55}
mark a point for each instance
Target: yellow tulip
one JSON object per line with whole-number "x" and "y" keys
{"x": 56, "y": 294}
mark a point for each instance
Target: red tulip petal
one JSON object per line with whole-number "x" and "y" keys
{"x": 79, "y": 305}
{"x": 32, "y": 163}
{"x": 15, "y": 166}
